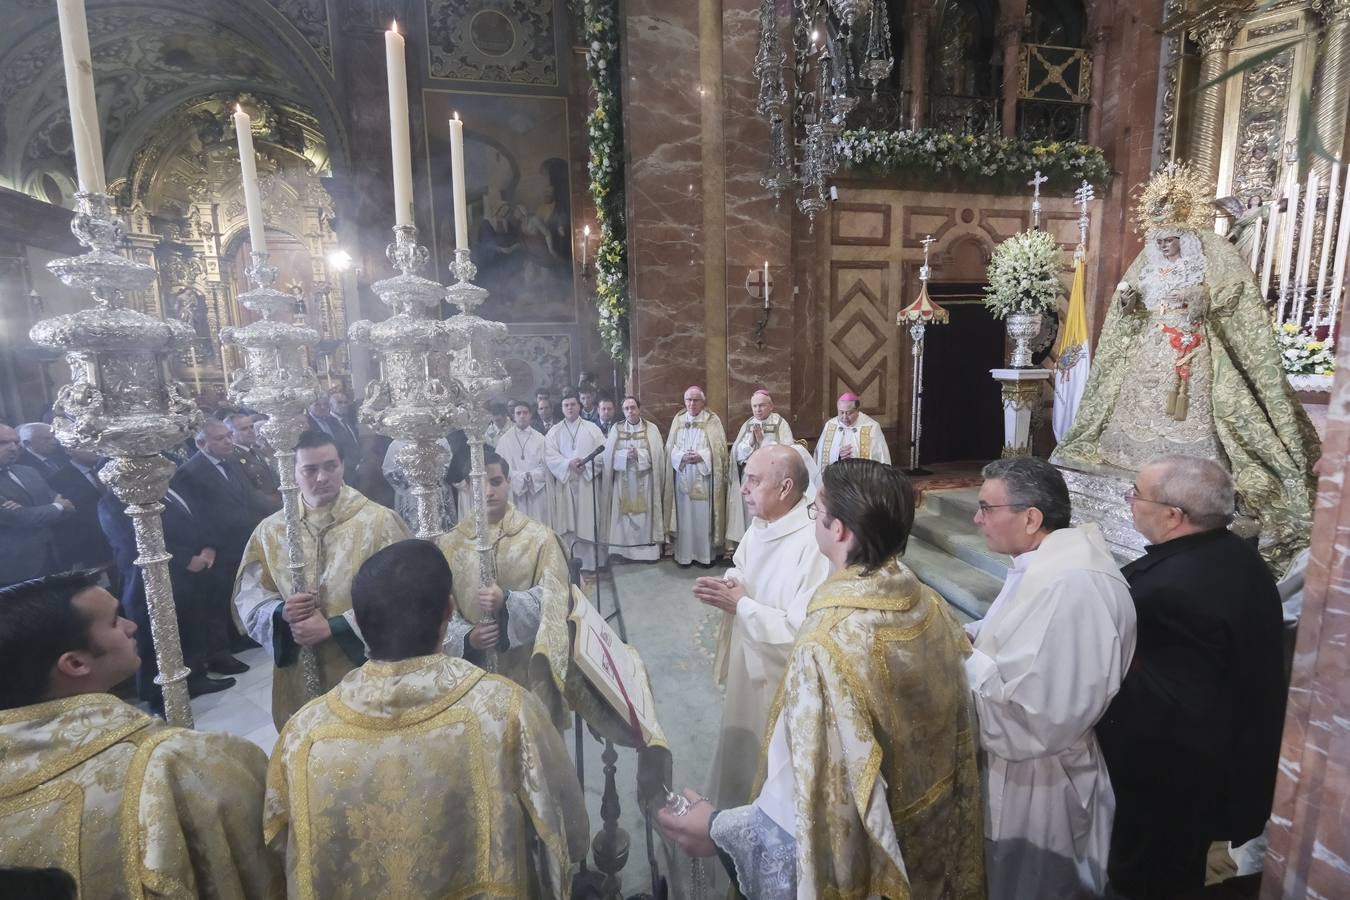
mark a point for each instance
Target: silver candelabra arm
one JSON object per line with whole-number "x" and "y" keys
{"x": 276, "y": 381}
{"x": 122, "y": 403}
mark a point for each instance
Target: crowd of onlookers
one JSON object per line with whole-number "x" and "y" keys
{"x": 56, "y": 514}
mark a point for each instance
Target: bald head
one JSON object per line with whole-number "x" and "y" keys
{"x": 775, "y": 479}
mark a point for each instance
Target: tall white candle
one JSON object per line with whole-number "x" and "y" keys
{"x": 1305, "y": 242}
{"x": 1272, "y": 232}
{"x": 248, "y": 176}
{"x": 1287, "y": 239}
{"x": 400, "y": 139}
{"x": 79, "y": 65}
{"x": 457, "y": 178}
{"x": 1255, "y": 260}
{"x": 1325, "y": 255}
{"x": 585, "y": 245}
{"x": 766, "y": 284}
{"x": 1342, "y": 251}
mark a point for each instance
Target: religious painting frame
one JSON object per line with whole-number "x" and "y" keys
{"x": 517, "y": 166}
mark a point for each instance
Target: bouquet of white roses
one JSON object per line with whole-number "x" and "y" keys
{"x": 1301, "y": 354}
{"x": 1024, "y": 275}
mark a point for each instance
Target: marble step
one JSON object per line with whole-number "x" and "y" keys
{"x": 969, "y": 590}
{"x": 945, "y": 524}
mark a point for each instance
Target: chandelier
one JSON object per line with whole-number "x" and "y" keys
{"x": 834, "y": 56}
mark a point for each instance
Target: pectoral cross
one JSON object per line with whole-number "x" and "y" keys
{"x": 1035, "y": 184}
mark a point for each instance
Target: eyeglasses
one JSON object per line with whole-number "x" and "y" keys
{"x": 984, "y": 508}
{"x": 813, "y": 511}
{"x": 1132, "y": 496}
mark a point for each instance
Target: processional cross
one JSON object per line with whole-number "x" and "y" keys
{"x": 1082, "y": 197}
{"x": 1035, "y": 184}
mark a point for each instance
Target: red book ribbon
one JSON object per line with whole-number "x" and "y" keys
{"x": 632, "y": 710}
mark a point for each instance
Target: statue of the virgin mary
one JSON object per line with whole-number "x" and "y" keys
{"x": 1187, "y": 363}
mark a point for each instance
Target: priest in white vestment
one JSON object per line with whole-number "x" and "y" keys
{"x": 852, "y": 434}
{"x": 696, "y": 446}
{"x": 635, "y": 474}
{"x": 573, "y": 483}
{"x": 525, "y": 450}
{"x": 778, "y": 566}
{"x": 1048, "y": 657}
{"x": 764, "y": 427}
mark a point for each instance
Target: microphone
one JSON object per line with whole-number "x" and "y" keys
{"x": 594, "y": 453}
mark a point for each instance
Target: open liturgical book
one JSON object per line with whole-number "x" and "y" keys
{"x": 613, "y": 669}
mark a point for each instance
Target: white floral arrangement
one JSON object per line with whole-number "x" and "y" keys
{"x": 1006, "y": 162}
{"x": 1024, "y": 275}
{"x": 1302, "y": 354}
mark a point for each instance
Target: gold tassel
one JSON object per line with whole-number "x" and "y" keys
{"x": 1183, "y": 399}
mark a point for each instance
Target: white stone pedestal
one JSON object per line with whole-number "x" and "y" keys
{"x": 1021, "y": 397}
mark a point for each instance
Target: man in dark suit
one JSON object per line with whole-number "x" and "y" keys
{"x": 29, "y": 512}
{"x": 255, "y": 465}
{"x": 1192, "y": 740}
{"x": 192, "y": 564}
{"x": 545, "y": 413}
{"x": 80, "y": 539}
{"x": 330, "y": 416}
{"x": 214, "y": 481}
{"x": 40, "y": 449}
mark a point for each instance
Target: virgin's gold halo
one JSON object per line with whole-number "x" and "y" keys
{"x": 1176, "y": 197}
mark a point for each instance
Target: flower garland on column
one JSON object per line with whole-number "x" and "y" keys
{"x": 605, "y": 131}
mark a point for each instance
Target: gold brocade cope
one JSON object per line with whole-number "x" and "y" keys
{"x": 634, "y": 499}
{"x": 336, "y": 540}
{"x": 526, "y": 554}
{"x": 129, "y": 806}
{"x": 1262, "y": 432}
{"x": 424, "y": 778}
{"x": 711, "y": 426}
{"x": 875, "y": 689}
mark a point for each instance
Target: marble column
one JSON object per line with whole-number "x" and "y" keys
{"x": 757, "y": 229}
{"x": 1309, "y": 827}
{"x": 1332, "y": 97}
{"x": 1214, "y": 37}
{"x": 1009, "y": 32}
{"x": 663, "y": 134}
{"x": 1021, "y": 390}
{"x": 916, "y": 56}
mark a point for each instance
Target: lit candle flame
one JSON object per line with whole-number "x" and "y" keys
{"x": 393, "y": 26}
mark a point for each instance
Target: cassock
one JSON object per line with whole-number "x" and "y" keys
{"x": 525, "y": 452}
{"x": 531, "y": 570}
{"x": 780, "y": 566}
{"x": 864, "y": 436}
{"x": 696, "y": 517}
{"x": 1049, "y": 656}
{"x": 871, "y": 784}
{"x": 425, "y": 777}
{"x": 574, "y": 497}
{"x": 129, "y": 806}
{"x": 636, "y": 490}
{"x": 335, "y": 541}
{"x": 774, "y": 429}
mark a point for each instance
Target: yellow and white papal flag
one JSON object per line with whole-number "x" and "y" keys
{"x": 1072, "y": 354}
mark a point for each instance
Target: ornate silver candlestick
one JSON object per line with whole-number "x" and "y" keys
{"x": 478, "y": 370}
{"x": 121, "y": 403}
{"x": 275, "y": 381}
{"x": 416, "y": 399}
